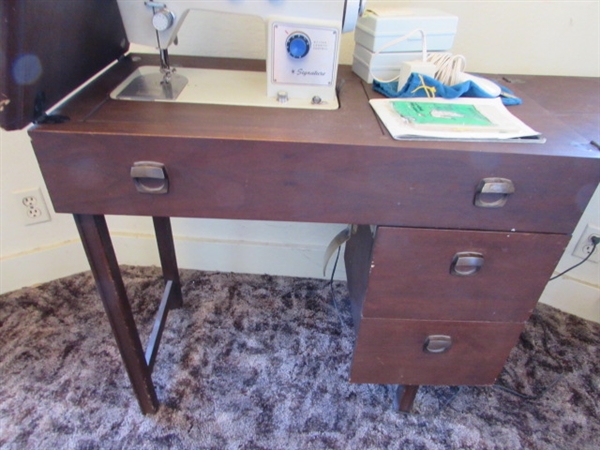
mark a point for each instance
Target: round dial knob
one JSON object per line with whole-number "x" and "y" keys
{"x": 297, "y": 45}
{"x": 163, "y": 19}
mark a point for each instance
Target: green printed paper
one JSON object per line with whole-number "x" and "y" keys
{"x": 441, "y": 114}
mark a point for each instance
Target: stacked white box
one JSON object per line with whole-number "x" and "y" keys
{"x": 380, "y": 26}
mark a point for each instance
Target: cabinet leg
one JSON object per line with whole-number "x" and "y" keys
{"x": 168, "y": 259}
{"x": 405, "y": 396}
{"x": 103, "y": 262}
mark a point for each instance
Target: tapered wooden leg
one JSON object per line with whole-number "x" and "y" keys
{"x": 168, "y": 259}
{"x": 103, "y": 262}
{"x": 406, "y": 396}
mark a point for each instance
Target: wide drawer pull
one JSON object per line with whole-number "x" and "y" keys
{"x": 150, "y": 177}
{"x": 493, "y": 192}
{"x": 466, "y": 263}
{"x": 437, "y": 343}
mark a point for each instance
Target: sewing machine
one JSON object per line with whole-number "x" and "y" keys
{"x": 303, "y": 40}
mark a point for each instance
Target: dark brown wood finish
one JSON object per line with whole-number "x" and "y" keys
{"x": 411, "y": 277}
{"x": 406, "y": 396}
{"x": 89, "y": 173}
{"x": 168, "y": 259}
{"x": 390, "y": 351}
{"x": 103, "y": 262}
{"x": 336, "y": 166}
{"x": 48, "y": 48}
{"x": 292, "y": 157}
{"x": 159, "y": 326}
{"x": 353, "y": 124}
{"x": 357, "y": 258}
{"x": 574, "y": 100}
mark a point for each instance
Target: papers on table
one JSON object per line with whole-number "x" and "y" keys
{"x": 462, "y": 119}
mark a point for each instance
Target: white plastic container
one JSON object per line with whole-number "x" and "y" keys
{"x": 384, "y": 66}
{"x": 379, "y": 26}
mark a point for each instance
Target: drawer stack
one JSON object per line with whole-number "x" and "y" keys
{"x": 443, "y": 306}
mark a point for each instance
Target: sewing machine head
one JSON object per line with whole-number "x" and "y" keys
{"x": 303, "y": 40}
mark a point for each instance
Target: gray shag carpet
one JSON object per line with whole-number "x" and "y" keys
{"x": 262, "y": 362}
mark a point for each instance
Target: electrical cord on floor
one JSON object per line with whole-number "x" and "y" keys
{"x": 335, "y": 305}
{"x": 530, "y": 397}
{"x": 546, "y": 389}
{"x": 446, "y": 404}
{"x": 595, "y": 242}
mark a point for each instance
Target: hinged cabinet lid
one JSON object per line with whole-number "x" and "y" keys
{"x": 49, "y": 48}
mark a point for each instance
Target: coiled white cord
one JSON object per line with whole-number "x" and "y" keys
{"x": 448, "y": 66}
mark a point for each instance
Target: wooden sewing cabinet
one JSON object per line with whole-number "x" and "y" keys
{"x": 442, "y": 276}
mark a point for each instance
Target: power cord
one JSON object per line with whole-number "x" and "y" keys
{"x": 448, "y": 67}
{"x": 530, "y": 397}
{"x": 595, "y": 242}
{"x": 395, "y": 42}
{"x": 546, "y": 389}
{"x": 335, "y": 305}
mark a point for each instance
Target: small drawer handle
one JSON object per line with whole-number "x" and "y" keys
{"x": 465, "y": 264}
{"x": 150, "y": 177}
{"x": 437, "y": 343}
{"x": 493, "y": 192}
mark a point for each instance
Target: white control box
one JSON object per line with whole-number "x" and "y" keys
{"x": 315, "y": 50}
{"x": 381, "y": 25}
{"x": 383, "y": 66}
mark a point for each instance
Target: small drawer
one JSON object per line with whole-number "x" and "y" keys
{"x": 459, "y": 275}
{"x": 392, "y": 351}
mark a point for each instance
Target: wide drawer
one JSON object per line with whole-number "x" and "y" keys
{"x": 294, "y": 181}
{"x": 392, "y": 351}
{"x": 459, "y": 275}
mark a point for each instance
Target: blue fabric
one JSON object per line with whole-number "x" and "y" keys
{"x": 419, "y": 85}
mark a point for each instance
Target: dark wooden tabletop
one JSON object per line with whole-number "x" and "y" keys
{"x": 574, "y": 100}
{"x": 354, "y": 123}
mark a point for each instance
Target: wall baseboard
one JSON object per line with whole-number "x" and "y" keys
{"x": 42, "y": 265}
{"x": 574, "y": 297}
{"x": 64, "y": 259}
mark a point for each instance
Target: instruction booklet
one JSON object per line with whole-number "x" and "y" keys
{"x": 463, "y": 119}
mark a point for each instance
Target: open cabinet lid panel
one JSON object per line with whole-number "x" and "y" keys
{"x": 49, "y": 48}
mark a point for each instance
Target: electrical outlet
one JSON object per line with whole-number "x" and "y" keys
{"x": 584, "y": 245}
{"x": 34, "y": 209}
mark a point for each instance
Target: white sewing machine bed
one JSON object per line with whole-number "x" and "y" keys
{"x": 208, "y": 86}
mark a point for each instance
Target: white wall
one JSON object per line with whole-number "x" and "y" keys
{"x": 540, "y": 37}
{"x": 527, "y": 37}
